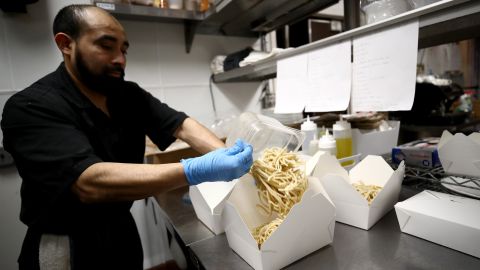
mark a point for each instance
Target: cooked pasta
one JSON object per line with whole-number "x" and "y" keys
{"x": 369, "y": 192}
{"x": 281, "y": 183}
{"x": 262, "y": 232}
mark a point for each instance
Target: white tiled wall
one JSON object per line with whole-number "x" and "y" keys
{"x": 156, "y": 60}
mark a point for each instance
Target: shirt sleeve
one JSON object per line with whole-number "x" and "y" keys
{"x": 49, "y": 149}
{"x": 161, "y": 120}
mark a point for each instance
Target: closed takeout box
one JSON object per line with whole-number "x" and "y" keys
{"x": 460, "y": 154}
{"x": 308, "y": 226}
{"x": 351, "y": 207}
{"x": 208, "y": 199}
{"x": 445, "y": 219}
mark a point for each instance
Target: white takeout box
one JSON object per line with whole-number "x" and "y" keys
{"x": 374, "y": 142}
{"x": 351, "y": 207}
{"x": 308, "y": 226}
{"x": 448, "y": 220}
{"x": 208, "y": 200}
{"x": 460, "y": 154}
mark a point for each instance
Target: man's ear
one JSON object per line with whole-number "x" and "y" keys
{"x": 64, "y": 43}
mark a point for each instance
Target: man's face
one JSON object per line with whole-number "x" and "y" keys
{"x": 99, "y": 55}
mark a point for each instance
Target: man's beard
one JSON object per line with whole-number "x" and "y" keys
{"x": 102, "y": 83}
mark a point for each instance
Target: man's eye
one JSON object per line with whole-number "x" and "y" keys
{"x": 106, "y": 47}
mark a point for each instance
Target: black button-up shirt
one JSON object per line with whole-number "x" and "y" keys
{"x": 54, "y": 133}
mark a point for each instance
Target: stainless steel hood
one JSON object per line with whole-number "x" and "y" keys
{"x": 251, "y": 17}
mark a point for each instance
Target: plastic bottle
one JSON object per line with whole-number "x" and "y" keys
{"x": 342, "y": 132}
{"x": 328, "y": 144}
{"x": 310, "y": 129}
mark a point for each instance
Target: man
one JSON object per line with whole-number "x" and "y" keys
{"x": 78, "y": 138}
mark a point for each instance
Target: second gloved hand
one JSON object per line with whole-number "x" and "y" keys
{"x": 223, "y": 164}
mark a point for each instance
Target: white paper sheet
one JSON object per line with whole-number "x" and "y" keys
{"x": 329, "y": 78}
{"x": 384, "y": 69}
{"x": 291, "y": 84}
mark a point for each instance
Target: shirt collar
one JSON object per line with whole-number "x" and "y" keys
{"x": 70, "y": 90}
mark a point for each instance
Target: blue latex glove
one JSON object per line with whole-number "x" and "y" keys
{"x": 223, "y": 164}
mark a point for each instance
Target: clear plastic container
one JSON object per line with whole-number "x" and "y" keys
{"x": 377, "y": 10}
{"x": 264, "y": 132}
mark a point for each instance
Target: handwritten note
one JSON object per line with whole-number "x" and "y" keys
{"x": 329, "y": 78}
{"x": 291, "y": 84}
{"x": 384, "y": 69}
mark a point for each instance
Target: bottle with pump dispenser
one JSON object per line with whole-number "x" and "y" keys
{"x": 327, "y": 143}
{"x": 342, "y": 132}
{"x": 310, "y": 130}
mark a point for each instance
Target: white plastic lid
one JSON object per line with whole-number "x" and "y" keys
{"x": 308, "y": 125}
{"x": 342, "y": 125}
{"x": 327, "y": 141}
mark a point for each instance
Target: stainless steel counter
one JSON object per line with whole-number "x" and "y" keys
{"x": 384, "y": 246}
{"x": 181, "y": 215}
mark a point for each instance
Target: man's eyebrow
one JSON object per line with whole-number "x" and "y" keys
{"x": 111, "y": 38}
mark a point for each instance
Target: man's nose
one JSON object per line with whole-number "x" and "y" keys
{"x": 120, "y": 59}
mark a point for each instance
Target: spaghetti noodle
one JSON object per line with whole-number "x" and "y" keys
{"x": 281, "y": 183}
{"x": 369, "y": 192}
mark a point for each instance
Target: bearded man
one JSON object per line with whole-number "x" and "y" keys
{"x": 77, "y": 137}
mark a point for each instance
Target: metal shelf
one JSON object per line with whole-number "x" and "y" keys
{"x": 436, "y": 179}
{"x": 441, "y": 22}
{"x": 147, "y": 13}
{"x": 246, "y": 18}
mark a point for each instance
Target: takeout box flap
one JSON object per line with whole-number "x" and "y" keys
{"x": 388, "y": 195}
{"x": 294, "y": 229}
{"x": 308, "y": 227}
{"x": 214, "y": 194}
{"x": 403, "y": 216}
{"x": 328, "y": 164}
{"x": 460, "y": 154}
{"x": 372, "y": 170}
{"x": 446, "y": 136}
{"x": 475, "y": 136}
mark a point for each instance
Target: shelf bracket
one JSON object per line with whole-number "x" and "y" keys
{"x": 190, "y": 28}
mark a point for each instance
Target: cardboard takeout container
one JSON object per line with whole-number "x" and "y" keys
{"x": 308, "y": 226}
{"x": 447, "y": 220}
{"x": 374, "y": 142}
{"x": 208, "y": 199}
{"x": 460, "y": 154}
{"x": 351, "y": 207}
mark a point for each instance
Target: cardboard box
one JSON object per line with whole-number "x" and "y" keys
{"x": 351, "y": 207}
{"x": 308, "y": 226}
{"x": 447, "y": 220}
{"x": 375, "y": 142}
{"x": 460, "y": 154}
{"x": 419, "y": 153}
{"x": 208, "y": 200}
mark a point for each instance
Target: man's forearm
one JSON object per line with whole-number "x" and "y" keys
{"x": 198, "y": 136}
{"x": 106, "y": 181}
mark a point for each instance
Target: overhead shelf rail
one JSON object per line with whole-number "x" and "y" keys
{"x": 441, "y": 22}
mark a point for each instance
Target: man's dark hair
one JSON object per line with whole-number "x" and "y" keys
{"x": 69, "y": 20}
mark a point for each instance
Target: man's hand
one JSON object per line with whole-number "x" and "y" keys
{"x": 223, "y": 164}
